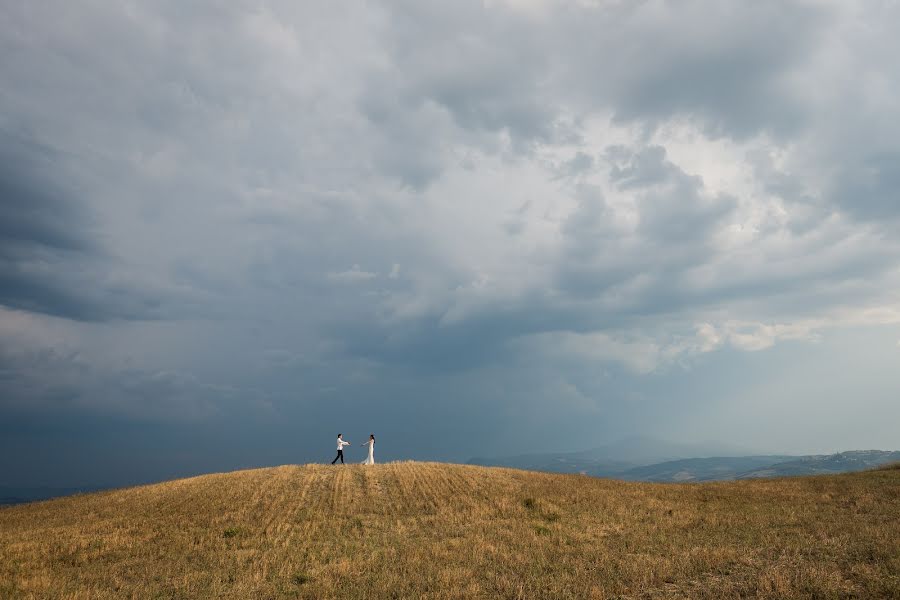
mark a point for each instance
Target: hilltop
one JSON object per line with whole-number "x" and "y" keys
{"x": 403, "y": 530}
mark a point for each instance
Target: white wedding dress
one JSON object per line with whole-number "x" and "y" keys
{"x": 370, "y": 459}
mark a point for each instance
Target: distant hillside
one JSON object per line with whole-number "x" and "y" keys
{"x": 598, "y": 463}
{"x": 700, "y": 469}
{"x": 745, "y": 467}
{"x": 844, "y": 462}
{"x": 611, "y": 459}
{"x": 426, "y": 530}
{"x": 564, "y": 462}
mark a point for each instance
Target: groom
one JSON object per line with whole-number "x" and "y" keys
{"x": 340, "y": 448}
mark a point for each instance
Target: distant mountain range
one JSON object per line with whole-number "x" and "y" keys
{"x": 612, "y": 459}
{"x": 844, "y": 462}
{"x": 688, "y": 462}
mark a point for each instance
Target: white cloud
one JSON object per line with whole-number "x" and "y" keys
{"x": 352, "y": 275}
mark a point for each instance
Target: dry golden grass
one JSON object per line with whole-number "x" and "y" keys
{"x": 425, "y": 530}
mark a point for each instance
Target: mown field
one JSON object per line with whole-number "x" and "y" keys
{"x": 426, "y": 530}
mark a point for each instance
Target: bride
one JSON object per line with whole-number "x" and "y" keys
{"x": 370, "y": 459}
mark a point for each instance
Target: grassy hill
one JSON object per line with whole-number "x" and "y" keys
{"x": 410, "y": 530}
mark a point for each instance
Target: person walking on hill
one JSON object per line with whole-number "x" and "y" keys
{"x": 370, "y": 459}
{"x": 340, "y": 449}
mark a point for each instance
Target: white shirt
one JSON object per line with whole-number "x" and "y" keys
{"x": 341, "y": 443}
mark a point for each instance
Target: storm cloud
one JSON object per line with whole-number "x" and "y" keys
{"x": 476, "y": 227}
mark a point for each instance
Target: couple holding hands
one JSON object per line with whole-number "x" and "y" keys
{"x": 370, "y": 459}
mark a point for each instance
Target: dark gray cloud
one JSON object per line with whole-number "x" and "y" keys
{"x": 476, "y": 226}
{"x": 623, "y": 262}
{"x": 710, "y": 64}
{"x": 672, "y": 205}
{"x": 56, "y": 384}
{"x": 36, "y": 210}
{"x": 870, "y": 189}
{"x": 51, "y": 257}
{"x": 534, "y": 77}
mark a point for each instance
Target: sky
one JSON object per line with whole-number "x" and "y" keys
{"x": 229, "y": 231}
